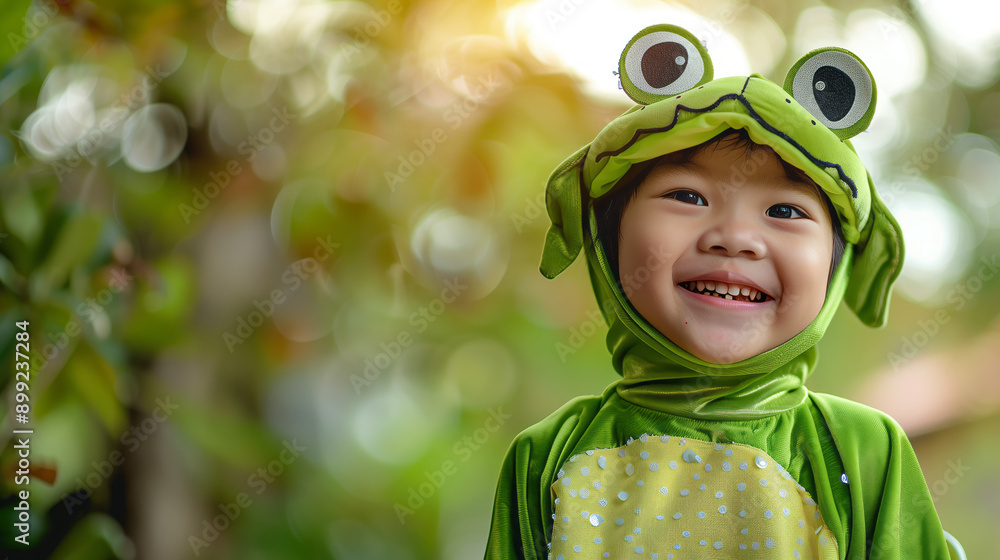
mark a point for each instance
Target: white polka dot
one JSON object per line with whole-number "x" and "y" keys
{"x": 664, "y": 439}
{"x": 644, "y": 455}
{"x": 822, "y": 540}
{"x": 638, "y": 511}
{"x": 702, "y": 488}
{"x": 639, "y": 483}
{"x": 654, "y": 467}
{"x": 567, "y": 482}
{"x": 597, "y": 540}
{"x": 563, "y": 538}
{"x": 602, "y": 462}
{"x": 782, "y": 493}
{"x": 768, "y": 514}
{"x": 638, "y": 550}
{"x": 744, "y": 531}
{"x": 597, "y": 485}
{"x": 755, "y": 545}
{"x": 677, "y": 515}
{"x": 565, "y": 519}
{"x": 684, "y": 492}
{"x": 629, "y": 469}
{"x": 810, "y": 501}
{"x": 659, "y": 518}
{"x": 621, "y": 452}
{"x": 607, "y": 555}
{"x": 718, "y": 447}
{"x": 623, "y": 495}
{"x": 760, "y": 461}
{"x": 718, "y": 494}
{"x": 619, "y": 521}
{"x": 673, "y": 464}
{"x": 637, "y": 531}
{"x": 663, "y": 490}
{"x": 729, "y": 453}
{"x": 741, "y": 486}
{"x": 701, "y": 515}
{"x": 596, "y": 520}
{"x": 722, "y": 509}
{"x": 572, "y": 493}
{"x": 769, "y": 543}
{"x": 654, "y": 555}
{"x": 643, "y": 438}
{"x": 584, "y": 493}
{"x": 689, "y": 456}
{"x": 726, "y": 466}
{"x": 743, "y": 547}
{"x": 696, "y": 476}
{"x": 590, "y": 452}
{"x": 561, "y": 474}
{"x": 708, "y": 467}
{"x": 743, "y": 466}
{"x": 686, "y": 534}
{"x": 795, "y": 553}
{"x": 799, "y": 541}
{"x": 763, "y": 482}
{"x": 584, "y": 514}
{"x": 629, "y": 538}
{"x": 682, "y": 441}
{"x": 717, "y": 545}
{"x": 785, "y": 512}
{"x": 585, "y": 471}
{"x": 743, "y": 513}
{"x": 702, "y": 543}
{"x": 602, "y": 502}
{"x": 802, "y": 523}
{"x": 677, "y": 547}
{"x": 577, "y": 548}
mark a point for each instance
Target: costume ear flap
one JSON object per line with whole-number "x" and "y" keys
{"x": 564, "y": 203}
{"x": 878, "y": 259}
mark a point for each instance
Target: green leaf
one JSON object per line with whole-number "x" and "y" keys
{"x": 12, "y": 28}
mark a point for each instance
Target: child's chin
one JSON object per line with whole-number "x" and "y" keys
{"x": 722, "y": 348}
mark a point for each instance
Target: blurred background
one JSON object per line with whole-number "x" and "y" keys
{"x": 280, "y": 258}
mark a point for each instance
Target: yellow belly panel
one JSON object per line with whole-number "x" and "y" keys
{"x": 671, "y": 498}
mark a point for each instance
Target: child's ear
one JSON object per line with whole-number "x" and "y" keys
{"x": 878, "y": 259}
{"x": 564, "y": 202}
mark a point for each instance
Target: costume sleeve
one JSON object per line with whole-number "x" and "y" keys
{"x": 522, "y": 509}
{"x": 892, "y": 513}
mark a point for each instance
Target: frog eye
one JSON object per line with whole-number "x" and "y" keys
{"x": 661, "y": 61}
{"x": 836, "y": 88}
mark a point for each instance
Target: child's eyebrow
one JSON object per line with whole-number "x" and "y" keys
{"x": 678, "y": 169}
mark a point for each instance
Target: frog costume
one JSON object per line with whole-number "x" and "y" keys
{"x": 683, "y": 458}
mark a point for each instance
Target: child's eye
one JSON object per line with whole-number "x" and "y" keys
{"x": 785, "y": 211}
{"x": 688, "y": 197}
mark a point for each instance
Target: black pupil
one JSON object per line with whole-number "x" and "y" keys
{"x": 659, "y": 63}
{"x": 834, "y": 91}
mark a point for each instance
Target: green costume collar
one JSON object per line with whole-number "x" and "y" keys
{"x": 807, "y": 128}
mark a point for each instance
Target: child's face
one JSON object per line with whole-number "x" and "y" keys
{"x": 726, "y": 218}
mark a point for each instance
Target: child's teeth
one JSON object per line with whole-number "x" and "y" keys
{"x": 753, "y": 294}
{"x": 722, "y": 288}
{"x": 734, "y": 290}
{"x": 745, "y": 291}
{"x": 710, "y": 286}
{"x": 701, "y": 286}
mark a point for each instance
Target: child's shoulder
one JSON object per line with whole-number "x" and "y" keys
{"x": 853, "y": 425}
{"x": 576, "y": 414}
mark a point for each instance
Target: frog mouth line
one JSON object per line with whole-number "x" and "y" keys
{"x": 723, "y": 290}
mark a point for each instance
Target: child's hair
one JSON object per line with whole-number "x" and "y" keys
{"x": 610, "y": 208}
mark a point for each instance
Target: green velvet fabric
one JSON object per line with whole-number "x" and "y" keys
{"x": 856, "y": 462}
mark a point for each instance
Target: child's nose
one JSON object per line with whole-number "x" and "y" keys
{"x": 733, "y": 237}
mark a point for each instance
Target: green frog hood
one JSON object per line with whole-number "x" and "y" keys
{"x": 828, "y": 97}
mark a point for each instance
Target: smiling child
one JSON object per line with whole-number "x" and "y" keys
{"x": 723, "y": 223}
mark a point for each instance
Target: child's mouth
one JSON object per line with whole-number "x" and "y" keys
{"x": 726, "y": 291}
